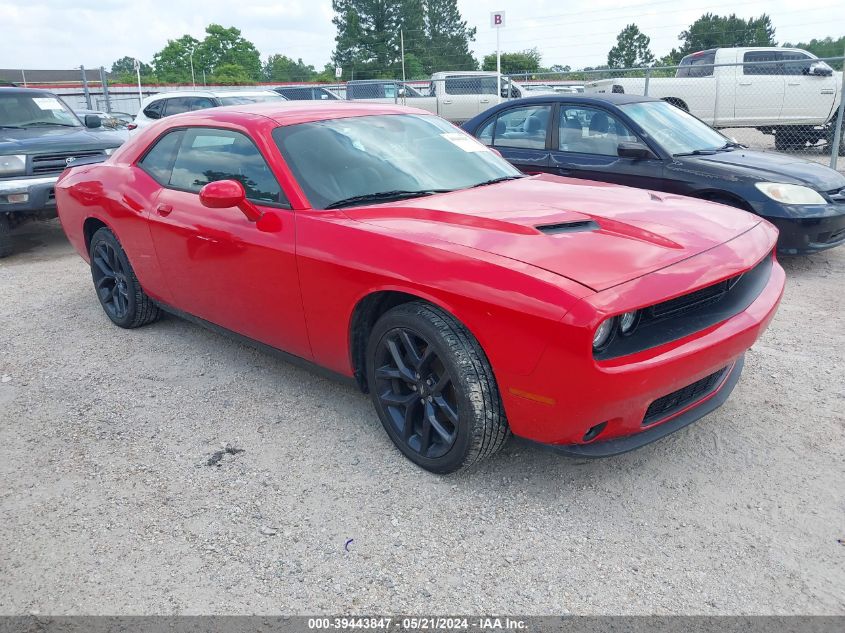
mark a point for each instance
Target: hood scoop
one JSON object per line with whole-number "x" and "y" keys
{"x": 576, "y": 226}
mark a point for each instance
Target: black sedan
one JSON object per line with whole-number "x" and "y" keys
{"x": 648, "y": 143}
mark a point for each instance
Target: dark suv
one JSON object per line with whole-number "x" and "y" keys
{"x": 40, "y": 136}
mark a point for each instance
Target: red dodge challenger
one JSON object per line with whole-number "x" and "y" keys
{"x": 471, "y": 302}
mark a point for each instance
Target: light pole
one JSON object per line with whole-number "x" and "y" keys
{"x": 191, "y": 58}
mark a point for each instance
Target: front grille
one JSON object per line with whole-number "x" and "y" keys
{"x": 56, "y": 163}
{"x": 693, "y": 300}
{"x": 677, "y": 400}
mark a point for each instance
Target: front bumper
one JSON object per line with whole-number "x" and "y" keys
{"x": 39, "y": 190}
{"x": 570, "y": 394}
{"x": 805, "y": 228}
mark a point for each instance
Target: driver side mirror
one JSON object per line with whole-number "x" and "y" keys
{"x": 818, "y": 69}
{"x": 634, "y": 150}
{"x": 93, "y": 121}
{"x": 225, "y": 194}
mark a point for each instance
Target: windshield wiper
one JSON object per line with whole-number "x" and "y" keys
{"x": 495, "y": 180}
{"x": 49, "y": 123}
{"x": 732, "y": 145}
{"x": 11, "y": 127}
{"x": 384, "y": 196}
{"x": 698, "y": 152}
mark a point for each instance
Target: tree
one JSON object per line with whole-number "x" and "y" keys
{"x": 631, "y": 50}
{"x": 715, "y": 31}
{"x": 828, "y": 47}
{"x": 368, "y": 37}
{"x": 523, "y": 62}
{"x": 172, "y": 64}
{"x": 282, "y": 68}
{"x": 226, "y": 47}
{"x": 230, "y": 74}
{"x": 126, "y": 66}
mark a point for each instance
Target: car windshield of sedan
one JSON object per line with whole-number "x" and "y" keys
{"x": 28, "y": 110}
{"x": 381, "y": 157}
{"x": 677, "y": 131}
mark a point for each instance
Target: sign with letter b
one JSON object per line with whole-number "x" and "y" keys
{"x": 497, "y": 19}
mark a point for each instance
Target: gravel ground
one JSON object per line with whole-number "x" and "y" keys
{"x": 109, "y": 505}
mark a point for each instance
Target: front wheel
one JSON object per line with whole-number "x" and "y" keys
{"x": 434, "y": 389}
{"x": 117, "y": 287}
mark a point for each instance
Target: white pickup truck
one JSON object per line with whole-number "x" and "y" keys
{"x": 455, "y": 96}
{"x": 787, "y": 92}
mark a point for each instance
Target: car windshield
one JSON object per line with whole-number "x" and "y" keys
{"x": 394, "y": 155}
{"x": 676, "y": 131}
{"x": 32, "y": 110}
{"x": 242, "y": 99}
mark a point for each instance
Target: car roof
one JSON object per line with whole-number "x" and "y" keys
{"x": 208, "y": 93}
{"x": 26, "y": 91}
{"x": 293, "y": 112}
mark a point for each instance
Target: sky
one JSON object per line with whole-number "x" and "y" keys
{"x": 66, "y": 33}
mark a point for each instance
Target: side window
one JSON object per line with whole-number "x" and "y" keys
{"x": 485, "y": 134}
{"x": 591, "y": 131}
{"x": 208, "y": 154}
{"x": 201, "y": 103}
{"x": 177, "y": 105}
{"x": 488, "y": 85}
{"x": 795, "y": 63}
{"x": 463, "y": 85}
{"x": 523, "y": 127}
{"x": 155, "y": 109}
{"x": 772, "y": 68}
{"x": 697, "y": 65}
{"x": 158, "y": 161}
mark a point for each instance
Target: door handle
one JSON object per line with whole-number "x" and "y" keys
{"x": 744, "y": 83}
{"x": 793, "y": 83}
{"x": 447, "y": 101}
{"x": 164, "y": 209}
{"x": 485, "y": 101}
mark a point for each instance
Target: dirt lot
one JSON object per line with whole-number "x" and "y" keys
{"x": 108, "y": 504}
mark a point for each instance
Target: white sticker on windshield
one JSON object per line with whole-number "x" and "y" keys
{"x": 48, "y": 103}
{"x": 466, "y": 143}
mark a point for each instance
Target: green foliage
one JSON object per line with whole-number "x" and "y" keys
{"x": 172, "y": 63}
{"x": 368, "y": 43}
{"x": 715, "y": 31}
{"x": 226, "y": 47}
{"x": 631, "y": 50}
{"x": 230, "y": 75}
{"x": 828, "y": 47}
{"x": 522, "y": 62}
{"x": 282, "y": 68}
{"x": 126, "y": 66}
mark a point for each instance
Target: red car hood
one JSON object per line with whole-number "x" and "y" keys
{"x": 606, "y": 234}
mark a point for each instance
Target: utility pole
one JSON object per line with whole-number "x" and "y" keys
{"x": 191, "y": 57}
{"x": 402, "y": 46}
{"x": 836, "y": 137}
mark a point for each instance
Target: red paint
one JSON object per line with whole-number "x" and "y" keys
{"x": 293, "y": 278}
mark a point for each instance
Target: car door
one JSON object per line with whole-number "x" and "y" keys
{"x": 520, "y": 134}
{"x": 807, "y": 98}
{"x": 760, "y": 87}
{"x": 586, "y": 143}
{"x": 220, "y": 266}
{"x": 460, "y": 98}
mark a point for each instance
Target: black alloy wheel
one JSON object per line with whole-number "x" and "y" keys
{"x": 110, "y": 281}
{"x": 417, "y": 393}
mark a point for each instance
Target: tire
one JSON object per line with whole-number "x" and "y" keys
{"x": 429, "y": 378}
{"x": 5, "y": 236}
{"x": 120, "y": 294}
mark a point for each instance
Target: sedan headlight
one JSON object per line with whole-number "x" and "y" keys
{"x": 790, "y": 194}
{"x": 13, "y": 165}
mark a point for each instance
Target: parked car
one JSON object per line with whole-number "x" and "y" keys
{"x": 645, "y": 142}
{"x": 787, "y": 92}
{"x": 39, "y": 136}
{"x": 455, "y": 96}
{"x": 465, "y": 297}
{"x": 306, "y": 93}
{"x": 106, "y": 119}
{"x": 166, "y": 104}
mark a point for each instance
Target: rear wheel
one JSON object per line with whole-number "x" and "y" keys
{"x": 5, "y": 236}
{"x": 433, "y": 389}
{"x": 117, "y": 287}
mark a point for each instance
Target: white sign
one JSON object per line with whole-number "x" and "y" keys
{"x": 497, "y": 19}
{"x": 137, "y": 64}
{"x": 338, "y": 71}
{"x": 47, "y": 103}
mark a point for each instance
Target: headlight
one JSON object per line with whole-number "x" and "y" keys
{"x": 110, "y": 150}
{"x": 628, "y": 321}
{"x": 13, "y": 165}
{"x": 790, "y": 194}
{"x": 604, "y": 332}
